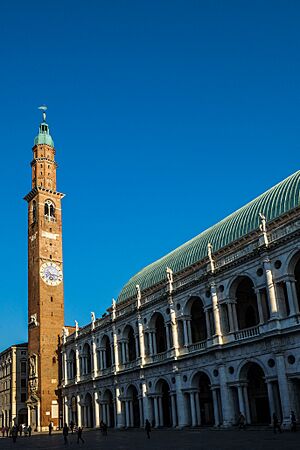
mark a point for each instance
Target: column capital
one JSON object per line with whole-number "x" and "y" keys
{"x": 213, "y": 286}
{"x": 266, "y": 260}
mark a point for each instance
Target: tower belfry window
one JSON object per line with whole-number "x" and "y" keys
{"x": 49, "y": 211}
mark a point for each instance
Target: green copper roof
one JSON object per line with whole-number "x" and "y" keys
{"x": 44, "y": 136}
{"x": 273, "y": 203}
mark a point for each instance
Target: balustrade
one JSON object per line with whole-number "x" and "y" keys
{"x": 247, "y": 333}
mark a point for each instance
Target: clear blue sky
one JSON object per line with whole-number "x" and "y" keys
{"x": 166, "y": 117}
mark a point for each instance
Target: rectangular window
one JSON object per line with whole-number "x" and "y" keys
{"x": 23, "y": 398}
{"x": 23, "y": 382}
{"x": 23, "y": 367}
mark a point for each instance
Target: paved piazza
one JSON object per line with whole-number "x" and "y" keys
{"x": 207, "y": 439}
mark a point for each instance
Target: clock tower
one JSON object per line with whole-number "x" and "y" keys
{"x": 45, "y": 283}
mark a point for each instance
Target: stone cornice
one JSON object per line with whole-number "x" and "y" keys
{"x": 36, "y": 190}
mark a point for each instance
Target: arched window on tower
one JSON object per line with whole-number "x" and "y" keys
{"x": 33, "y": 211}
{"x": 49, "y": 211}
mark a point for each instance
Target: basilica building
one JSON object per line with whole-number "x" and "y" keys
{"x": 204, "y": 333}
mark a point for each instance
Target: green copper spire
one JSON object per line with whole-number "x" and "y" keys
{"x": 44, "y": 136}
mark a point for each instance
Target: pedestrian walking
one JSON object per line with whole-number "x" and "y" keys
{"x": 276, "y": 424}
{"x": 14, "y": 433}
{"x": 148, "y": 428}
{"x": 50, "y": 427}
{"x": 65, "y": 433}
{"x": 103, "y": 428}
{"x": 29, "y": 430}
{"x": 72, "y": 424}
{"x": 79, "y": 435}
{"x": 293, "y": 422}
{"x": 242, "y": 421}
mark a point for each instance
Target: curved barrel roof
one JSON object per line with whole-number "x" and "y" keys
{"x": 278, "y": 200}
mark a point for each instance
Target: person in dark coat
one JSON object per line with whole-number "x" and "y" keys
{"x": 14, "y": 433}
{"x": 276, "y": 424}
{"x": 147, "y": 428}
{"x": 65, "y": 433}
{"x": 293, "y": 422}
{"x": 79, "y": 435}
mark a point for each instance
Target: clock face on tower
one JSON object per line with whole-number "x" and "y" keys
{"x": 51, "y": 273}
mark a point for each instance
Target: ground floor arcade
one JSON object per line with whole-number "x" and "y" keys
{"x": 196, "y": 399}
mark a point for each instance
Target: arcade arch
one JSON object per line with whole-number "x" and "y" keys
{"x": 246, "y": 302}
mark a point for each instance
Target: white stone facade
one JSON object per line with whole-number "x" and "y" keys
{"x": 13, "y": 385}
{"x": 221, "y": 338}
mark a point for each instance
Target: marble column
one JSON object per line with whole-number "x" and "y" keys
{"x": 146, "y": 412}
{"x": 293, "y": 303}
{"x": 79, "y": 411}
{"x": 189, "y": 328}
{"x": 123, "y": 351}
{"x": 141, "y": 411}
{"x": 270, "y": 289}
{"x": 181, "y": 403}
{"x": 230, "y": 317}
{"x": 127, "y": 415}
{"x": 119, "y": 412}
{"x": 66, "y": 410}
{"x": 259, "y": 306}
{"x": 154, "y": 343}
{"x": 160, "y": 411}
{"x": 198, "y": 410}
{"x": 96, "y": 409}
{"x": 156, "y": 414}
{"x": 104, "y": 415}
{"x": 116, "y": 349}
{"x": 225, "y": 397}
{"x": 38, "y": 422}
{"x": 174, "y": 329}
{"x": 168, "y": 336}
{"x": 283, "y": 388}
{"x": 241, "y": 400}
{"x": 193, "y": 409}
{"x": 271, "y": 398}
{"x": 246, "y": 399}
{"x": 216, "y": 407}
{"x": 150, "y": 339}
{"x": 137, "y": 345}
{"x": 235, "y": 319}
{"x": 77, "y": 364}
{"x": 207, "y": 321}
{"x": 131, "y": 413}
{"x": 216, "y": 314}
{"x": 109, "y": 424}
{"x": 94, "y": 358}
{"x": 65, "y": 367}
{"x": 85, "y": 416}
{"x": 185, "y": 333}
{"x": 173, "y": 409}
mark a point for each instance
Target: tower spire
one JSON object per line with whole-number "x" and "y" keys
{"x": 44, "y": 136}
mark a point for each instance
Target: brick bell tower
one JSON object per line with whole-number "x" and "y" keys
{"x": 45, "y": 283}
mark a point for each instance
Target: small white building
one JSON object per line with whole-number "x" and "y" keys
{"x": 13, "y": 385}
{"x": 207, "y": 331}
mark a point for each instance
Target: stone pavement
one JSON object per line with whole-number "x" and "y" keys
{"x": 204, "y": 439}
